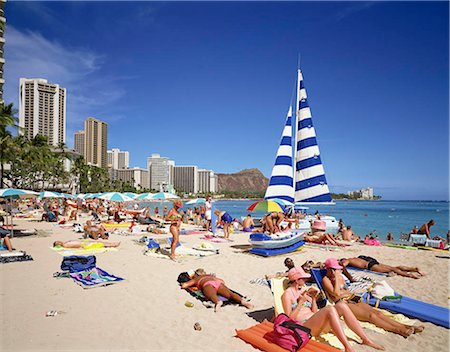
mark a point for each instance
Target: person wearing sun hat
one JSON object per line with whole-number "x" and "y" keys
{"x": 299, "y": 303}
{"x": 175, "y": 222}
{"x": 337, "y": 291}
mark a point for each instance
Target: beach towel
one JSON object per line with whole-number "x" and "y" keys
{"x": 82, "y": 251}
{"x": 94, "y": 277}
{"x": 255, "y": 336}
{"x": 10, "y": 257}
{"x": 216, "y": 239}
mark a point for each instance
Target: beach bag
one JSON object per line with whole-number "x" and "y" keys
{"x": 76, "y": 263}
{"x": 382, "y": 289}
{"x": 288, "y": 334}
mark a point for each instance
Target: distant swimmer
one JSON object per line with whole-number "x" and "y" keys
{"x": 425, "y": 228}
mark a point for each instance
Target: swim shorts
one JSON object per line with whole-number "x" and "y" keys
{"x": 370, "y": 261}
{"x": 227, "y": 218}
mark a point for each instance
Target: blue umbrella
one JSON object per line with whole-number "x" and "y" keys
{"x": 165, "y": 195}
{"x": 196, "y": 201}
{"x": 16, "y": 193}
{"x": 48, "y": 194}
{"x": 115, "y": 197}
{"x": 145, "y": 196}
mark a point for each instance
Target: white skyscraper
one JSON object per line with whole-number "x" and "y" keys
{"x": 160, "y": 172}
{"x": 42, "y": 110}
{"x": 118, "y": 159}
{"x": 207, "y": 181}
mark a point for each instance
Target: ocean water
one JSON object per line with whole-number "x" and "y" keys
{"x": 364, "y": 216}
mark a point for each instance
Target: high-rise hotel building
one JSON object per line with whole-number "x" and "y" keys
{"x": 118, "y": 159}
{"x": 160, "y": 172}
{"x": 96, "y": 142}
{"x": 2, "y": 43}
{"x": 185, "y": 179}
{"x": 42, "y": 110}
{"x": 78, "y": 141}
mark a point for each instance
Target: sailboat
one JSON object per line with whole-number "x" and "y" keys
{"x": 298, "y": 175}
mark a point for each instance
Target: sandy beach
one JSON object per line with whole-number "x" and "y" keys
{"x": 147, "y": 311}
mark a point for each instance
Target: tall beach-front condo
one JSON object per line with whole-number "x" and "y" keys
{"x": 2, "y": 43}
{"x": 42, "y": 110}
{"x": 160, "y": 172}
{"x": 185, "y": 179}
{"x": 96, "y": 142}
{"x": 207, "y": 181}
{"x": 78, "y": 142}
{"x": 118, "y": 159}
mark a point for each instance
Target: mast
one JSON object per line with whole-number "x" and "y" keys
{"x": 281, "y": 183}
{"x": 309, "y": 176}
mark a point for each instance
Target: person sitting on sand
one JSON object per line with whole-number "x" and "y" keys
{"x": 95, "y": 231}
{"x": 212, "y": 286}
{"x": 425, "y": 229}
{"x": 389, "y": 237}
{"x": 274, "y": 221}
{"x": 318, "y": 235}
{"x": 248, "y": 224}
{"x": 337, "y": 291}
{"x": 86, "y": 245}
{"x": 4, "y": 235}
{"x": 369, "y": 263}
{"x": 300, "y": 304}
{"x": 348, "y": 235}
{"x": 288, "y": 263}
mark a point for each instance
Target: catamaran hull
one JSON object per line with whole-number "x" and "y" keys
{"x": 277, "y": 242}
{"x": 267, "y": 252}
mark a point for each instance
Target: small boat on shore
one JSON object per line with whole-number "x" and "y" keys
{"x": 298, "y": 175}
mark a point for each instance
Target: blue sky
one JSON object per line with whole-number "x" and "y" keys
{"x": 209, "y": 83}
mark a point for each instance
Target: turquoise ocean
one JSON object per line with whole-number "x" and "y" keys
{"x": 364, "y": 216}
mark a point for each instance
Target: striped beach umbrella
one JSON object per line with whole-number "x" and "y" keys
{"x": 49, "y": 194}
{"x": 144, "y": 196}
{"x": 267, "y": 206}
{"x": 17, "y": 193}
{"x": 165, "y": 195}
{"x": 283, "y": 202}
{"x": 67, "y": 195}
{"x": 196, "y": 201}
{"x": 115, "y": 197}
{"x": 131, "y": 194}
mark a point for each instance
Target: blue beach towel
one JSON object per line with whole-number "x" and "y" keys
{"x": 94, "y": 277}
{"x": 407, "y": 306}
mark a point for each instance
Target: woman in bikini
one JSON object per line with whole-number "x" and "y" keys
{"x": 212, "y": 287}
{"x": 175, "y": 222}
{"x": 300, "y": 304}
{"x": 337, "y": 290}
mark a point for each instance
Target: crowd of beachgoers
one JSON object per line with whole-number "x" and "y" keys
{"x": 333, "y": 306}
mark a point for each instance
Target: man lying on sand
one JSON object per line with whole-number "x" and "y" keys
{"x": 86, "y": 245}
{"x": 369, "y": 263}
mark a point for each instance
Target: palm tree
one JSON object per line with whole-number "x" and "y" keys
{"x": 7, "y": 119}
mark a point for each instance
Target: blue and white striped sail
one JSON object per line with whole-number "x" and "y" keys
{"x": 281, "y": 184}
{"x": 310, "y": 182}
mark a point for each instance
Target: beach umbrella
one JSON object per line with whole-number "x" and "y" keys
{"x": 131, "y": 195}
{"x": 165, "y": 195}
{"x": 16, "y": 193}
{"x": 67, "y": 195}
{"x": 196, "y": 201}
{"x": 144, "y": 196}
{"x": 48, "y": 194}
{"x": 93, "y": 195}
{"x": 267, "y": 206}
{"x": 115, "y": 197}
{"x": 283, "y": 202}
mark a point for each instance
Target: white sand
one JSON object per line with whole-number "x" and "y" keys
{"x": 147, "y": 312}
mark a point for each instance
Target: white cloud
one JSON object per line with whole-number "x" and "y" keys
{"x": 31, "y": 55}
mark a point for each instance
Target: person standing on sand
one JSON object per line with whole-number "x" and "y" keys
{"x": 425, "y": 228}
{"x": 208, "y": 208}
{"x": 226, "y": 219}
{"x": 175, "y": 222}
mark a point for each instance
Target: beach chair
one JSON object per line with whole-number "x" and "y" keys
{"x": 407, "y": 306}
